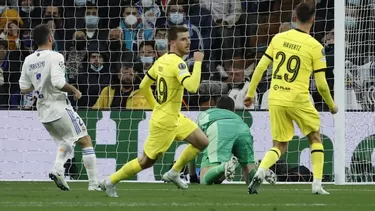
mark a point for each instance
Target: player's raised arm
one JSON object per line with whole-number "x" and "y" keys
{"x": 58, "y": 77}
{"x": 191, "y": 82}
{"x": 320, "y": 66}
{"x": 145, "y": 86}
{"x": 25, "y": 83}
{"x": 264, "y": 62}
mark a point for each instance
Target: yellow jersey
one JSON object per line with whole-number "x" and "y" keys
{"x": 169, "y": 73}
{"x": 295, "y": 55}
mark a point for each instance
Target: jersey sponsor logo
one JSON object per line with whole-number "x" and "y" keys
{"x": 281, "y": 88}
{"x": 38, "y": 76}
{"x": 182, "y": 66}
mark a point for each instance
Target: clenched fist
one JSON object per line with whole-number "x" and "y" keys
{"x": 198, "y": 56}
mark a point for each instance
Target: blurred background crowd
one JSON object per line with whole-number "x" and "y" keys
{"x": 109, "y": 45}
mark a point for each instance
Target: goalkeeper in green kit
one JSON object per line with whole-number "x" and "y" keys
{"x": 230, "y": 142}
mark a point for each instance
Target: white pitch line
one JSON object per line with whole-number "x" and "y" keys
{"x": 172, "y": 204}
{"x": 194, "y": 189}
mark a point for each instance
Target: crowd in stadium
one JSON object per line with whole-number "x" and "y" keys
{"x": 109, "y": 45}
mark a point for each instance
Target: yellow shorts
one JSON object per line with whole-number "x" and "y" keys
{"x": 282, "y": 129}
{"x": 160, "y": 139}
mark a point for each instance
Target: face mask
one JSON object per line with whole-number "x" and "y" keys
{"x": 80, "y": 2}
{"x": 131, "y": 20}
{"x": 114, "y": 45}
{"x": 80, "y": 43}
{"x": 161, "y": 44}
{"x": 293, "y": 25}
{"x": 147, "y": 59}
{"x": 1, "y": 9}
{"x": 27, "y": 42}
{"x": 92, "y": 21}
{"x": 350, "y": 22}
{"x": 27, "y": 9}
{"x": 95, "y": 68}
{"x": 176, "y": 17}
{"x": 147, "y": 3}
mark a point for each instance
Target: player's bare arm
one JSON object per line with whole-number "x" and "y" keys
{"x": 264, "y": 62}
{"x": 191, "y": 83}
{"x": 71, "y": 89}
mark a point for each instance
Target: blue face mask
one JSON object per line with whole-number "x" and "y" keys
{"x": 161, "y": 44}
{"x": 350, "y": 22}
{"x": 176, "y": 17}
{"x": 95, "y": 68}
{"x": 27, "y": 42}
{"x": 147, "y": 59}
{"x": 1, "y": 9}
{"x": 80, "y": 2}
{"x": 92, "y": 21}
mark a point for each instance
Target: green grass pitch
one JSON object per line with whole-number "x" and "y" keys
{"x": 32, "y": 196}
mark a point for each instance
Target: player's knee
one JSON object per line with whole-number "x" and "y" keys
{"x": 314, "y": 137}
{"x": 85, "y": 142}
{"x": 282, "y": 146}
{"x": 146, "y": 162}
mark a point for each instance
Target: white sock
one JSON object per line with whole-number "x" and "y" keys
{"x": 317, "y": 182}
{"x": 173, "y": 172}
{"x": 89, "y": 161}
{"x": 63, "y": 152}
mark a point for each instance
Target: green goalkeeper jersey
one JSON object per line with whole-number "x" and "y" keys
{"x": 208, "y": 117}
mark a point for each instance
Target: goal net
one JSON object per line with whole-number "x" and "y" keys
{"x": 109, "y": 46}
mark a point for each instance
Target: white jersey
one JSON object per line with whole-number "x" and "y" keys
{"x": 45, "y": 71}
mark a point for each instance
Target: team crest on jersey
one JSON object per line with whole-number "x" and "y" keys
{"x": 61, "y": 64}
{"x": 182, "y": 66}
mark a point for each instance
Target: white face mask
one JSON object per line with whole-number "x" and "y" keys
{"x": 147, "y": 59}
{"x": 131, "y": 20}
{"x": 27, "y": 9}
{"x": 176, "y": 17}
{"x": 147, "y": 3}
{"x": 2, "y": 9}
{"x": 161, "y": 44}
{"x": 96, "y": 69}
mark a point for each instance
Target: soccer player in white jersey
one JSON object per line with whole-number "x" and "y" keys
{"x": 44, "y": 72}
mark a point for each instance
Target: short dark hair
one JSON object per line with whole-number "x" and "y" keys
{"x": 147, "y": 42}
{"x": 225, "y": 102}
{"x": 41, "y": 33}
{"x": 304, "y": 12}
{"x": 174, "y": 31}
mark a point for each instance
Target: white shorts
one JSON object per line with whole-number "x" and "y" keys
{"x": 69, "y": 128}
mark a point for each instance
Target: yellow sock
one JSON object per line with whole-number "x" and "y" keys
{"x": 317, "y": 159}
{"x": 186, "y": 156}
{"x": 271, "y": 157}
{"x": 129, "y": 169}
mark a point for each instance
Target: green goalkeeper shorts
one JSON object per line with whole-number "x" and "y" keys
{"x": 227, "y": 138}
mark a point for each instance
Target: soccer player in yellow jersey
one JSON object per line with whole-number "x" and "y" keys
{"x": 167, "y": 124}
{"x": 295, "y": 55}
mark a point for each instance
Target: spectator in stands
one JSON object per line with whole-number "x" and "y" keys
{"x": 53, "y": 12}
{"x": 75, "y": 55}
{"x": 29, "y": 12}
{"x": 95, "y": 34}
{"x": 117, "y": 49}
{"x": 161, "y": 42}
{"x": 10, "y": 24}
{"x": 150, "y": 12}
{"x": 132, "y": 27}
{"x": 238, "y": 83}
{"x": 147, "y": 55}
{"x": 93, "y": 76}
{"x": 177, "y": 15}
{"x": 123, "y": 91}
